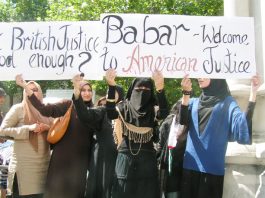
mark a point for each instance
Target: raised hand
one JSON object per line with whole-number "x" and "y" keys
{"x": 255, "y": 84}
{"x": 20, "y": 81}
{"x": 186, "y": 84}
{"x": 76, "y": 80}
{"x": 158, "y": 78}
{"x": 110, "y": 77}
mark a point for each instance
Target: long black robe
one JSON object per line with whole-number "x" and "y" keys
{"x": 170, "y": 182}
{"x": 136, "y": 175}
{"x": 70, "y": 156}
{"x": 101, "y": 170}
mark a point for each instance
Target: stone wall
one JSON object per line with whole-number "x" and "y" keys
{"x": 245, "y": 164}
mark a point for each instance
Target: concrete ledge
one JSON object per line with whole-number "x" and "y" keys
{"x": 261, "y": 90}
{"x": 245, "y": 154}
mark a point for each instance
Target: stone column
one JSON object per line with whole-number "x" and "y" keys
{"x": 258, "y": 120}
{"x": 245, "y": 164}
{"x": 240, "y": 8}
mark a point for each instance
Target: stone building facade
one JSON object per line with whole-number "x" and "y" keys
{"x": 245, "y": 165}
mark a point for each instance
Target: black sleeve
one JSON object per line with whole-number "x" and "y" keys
{"x": 184, "y": 115}
{"x": 54, "y": 110}
{"x": 164, "y": 131}
{"x": 91, "y": 116}
{"x": 163, "y": 105}
{"x": 249, "y": 115}
{"x": 163, "y": 139}
{"x": 111, "y": 105}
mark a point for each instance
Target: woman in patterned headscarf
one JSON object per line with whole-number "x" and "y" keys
{"x": 136, "y": 166}
{"x": 68, "y": 166}
{"x": 31, "y": 154}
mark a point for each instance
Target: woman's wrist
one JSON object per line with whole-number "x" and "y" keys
{"x": 185, "y": 100}
{"x": 252, "y": 97}
{"x": 186, "y": 92}
{"x": 111, "y": 83}
{"x": 160, "y": 90}
{"x": 76, "y": 93}
{"x": 28, "y": 91}
{"x": 159, "y": 86}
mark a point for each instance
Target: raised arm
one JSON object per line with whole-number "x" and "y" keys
{"x": 22, "y": 83}
{"x": 76, "y": 80}
{"x": 49, "y": 110}
{"x": 161, "y": 97}
{"x": 89, "y": 116}
{"x": 255, "y": 84}
{"x": 186, "y": 86}
{"x": 111, "y": 105}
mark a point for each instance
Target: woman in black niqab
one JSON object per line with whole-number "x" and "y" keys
{"x": 141, "y": 100}
{"x": 136, "y": 161}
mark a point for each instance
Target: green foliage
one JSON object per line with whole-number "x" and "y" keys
{"x": 23, "y": 10}
{"x": 5, "y": 11}
{"x": 82, "y": 10}
{"x": 10, "y": 87}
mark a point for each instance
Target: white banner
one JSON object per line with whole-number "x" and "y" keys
{"x": 49, "y": 50}
{"x": 134, "y": 44}
{"x": 212, "y": 47}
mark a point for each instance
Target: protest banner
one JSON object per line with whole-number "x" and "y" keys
{"x": 49, "y": 50}
{"x": 201, "y": 46}
{"x": 134, "y": 44}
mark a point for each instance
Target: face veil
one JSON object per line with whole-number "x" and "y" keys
{"x": 141, "y": 101}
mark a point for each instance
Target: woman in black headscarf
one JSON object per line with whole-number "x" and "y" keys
{"x": 104, "y": 152}
{"x": 213, "y": 119}
{"x": 136, "y": 167}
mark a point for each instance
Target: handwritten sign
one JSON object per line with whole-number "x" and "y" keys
{"x": 133, "y": 44}
{"x": 213, "y": 47}
{"x": 49, "y": 50}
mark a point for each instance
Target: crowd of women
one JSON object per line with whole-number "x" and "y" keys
{"x": 128, "y": 146}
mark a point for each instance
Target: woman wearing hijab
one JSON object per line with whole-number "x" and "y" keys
{"x": 70, "y": 156}
{"x": 213, "y": 119}
{"x": 136, "y": 167}
{"x": 101, "y": 170}
{"x": 171, "y": 147}
{"x": 30, "y": 159}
